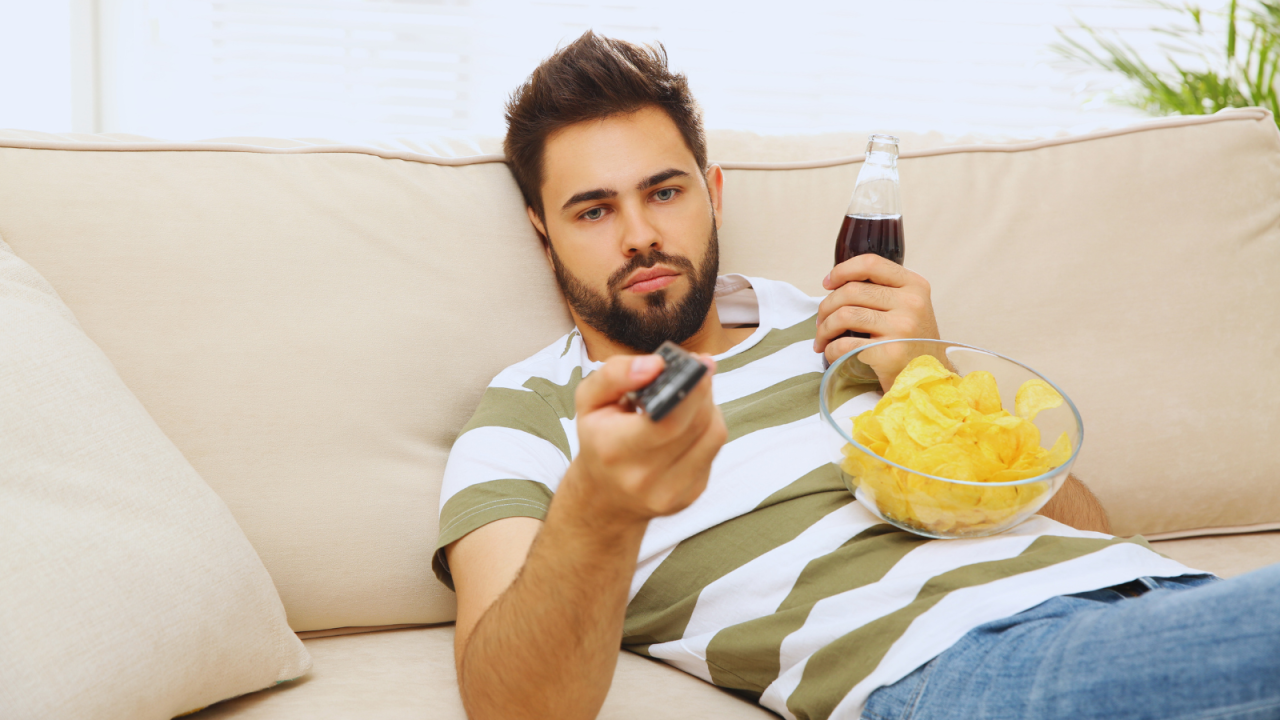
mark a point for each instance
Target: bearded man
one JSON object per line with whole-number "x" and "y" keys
{"x": 719, "y": 539}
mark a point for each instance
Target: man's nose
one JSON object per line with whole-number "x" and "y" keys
{"x": 639, "y": 234}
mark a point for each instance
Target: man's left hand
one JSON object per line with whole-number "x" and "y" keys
{"x": 876, "y": 296}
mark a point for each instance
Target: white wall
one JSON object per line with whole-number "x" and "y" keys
{"x": 360, "y": 69}
{"x": 35, "y": 65}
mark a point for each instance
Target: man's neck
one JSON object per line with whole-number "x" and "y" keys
{"x": 711, "y": 339}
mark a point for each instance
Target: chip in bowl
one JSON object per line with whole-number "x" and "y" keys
{"x": 945, "y": 427}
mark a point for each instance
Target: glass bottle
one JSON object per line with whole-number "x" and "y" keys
{"x": 873, "y": 222}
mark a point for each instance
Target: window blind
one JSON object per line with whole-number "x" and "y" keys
{"x": 359, "y": 69}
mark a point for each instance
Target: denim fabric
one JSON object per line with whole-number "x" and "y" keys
{"x": 1190, "y": 648}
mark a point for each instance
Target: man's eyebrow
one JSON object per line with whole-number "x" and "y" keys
{"x": 661, "y": 177}
{"x": 602, "y": 193}
{"x": 589, "y": 195}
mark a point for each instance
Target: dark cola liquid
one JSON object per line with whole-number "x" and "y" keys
{"x": 880, "y": 235}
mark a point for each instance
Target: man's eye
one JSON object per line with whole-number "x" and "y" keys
{"x": 593, "y": 214}
{"x": 665, "y": 194}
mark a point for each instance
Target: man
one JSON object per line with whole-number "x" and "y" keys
{"x": 719, "y": 539}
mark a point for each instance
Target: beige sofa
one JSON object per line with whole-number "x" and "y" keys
{"x": 312, "y": 323}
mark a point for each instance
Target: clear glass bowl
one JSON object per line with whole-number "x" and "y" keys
{"x": 937, "y": 507}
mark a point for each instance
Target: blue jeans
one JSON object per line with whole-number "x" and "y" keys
{"x": 1190, "y": 648}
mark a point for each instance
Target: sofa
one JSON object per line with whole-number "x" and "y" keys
{"x": 311, "y": 323}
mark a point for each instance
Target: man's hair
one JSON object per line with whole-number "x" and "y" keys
{"x": 593, "y": 78}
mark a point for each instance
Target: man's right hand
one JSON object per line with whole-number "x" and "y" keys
{"x": 530, "y": 590}
{"x": 630, "y": 469}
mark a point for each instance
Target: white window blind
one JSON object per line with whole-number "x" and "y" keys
{"x": 361, "y": 69}
{"x": 404, "y": 65}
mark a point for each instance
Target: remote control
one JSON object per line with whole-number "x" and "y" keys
{"x": 683, "y": 371}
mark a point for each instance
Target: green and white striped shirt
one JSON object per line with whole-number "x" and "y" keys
{"x": 775, "y": 582}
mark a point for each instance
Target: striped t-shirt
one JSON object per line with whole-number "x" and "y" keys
{"x": 774, "y": 582}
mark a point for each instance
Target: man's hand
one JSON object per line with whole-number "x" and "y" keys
{"x": 879, "y": 297}
{"x": 630, "y": 469}
{"x": 541, "y": 605}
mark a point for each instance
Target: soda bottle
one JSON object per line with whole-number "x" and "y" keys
{"x": 873, "y": 222}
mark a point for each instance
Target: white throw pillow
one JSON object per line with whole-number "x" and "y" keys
{"x": 127, "y": 590}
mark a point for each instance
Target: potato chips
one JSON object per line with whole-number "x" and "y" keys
{"x": 937, "y": 423}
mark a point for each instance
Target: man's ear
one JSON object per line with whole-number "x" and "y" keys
{"x": 715, "y": 189}
{"x": 540, "y": 229}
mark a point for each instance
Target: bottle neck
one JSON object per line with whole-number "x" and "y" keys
{"x": 882, "y": 158}
{"x": 876, "y": 192}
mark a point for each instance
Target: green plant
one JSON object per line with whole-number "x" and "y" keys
{"x": 1242, "y": 75}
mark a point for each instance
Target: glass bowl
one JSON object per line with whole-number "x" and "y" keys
{"x": 937, "y": 507}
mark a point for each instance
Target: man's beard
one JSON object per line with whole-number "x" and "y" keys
{"x": 646, "y": 329}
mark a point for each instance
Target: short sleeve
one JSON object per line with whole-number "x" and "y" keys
{"x": 507, "y": 462}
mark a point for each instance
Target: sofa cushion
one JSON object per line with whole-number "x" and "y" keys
{"x": 128, "y": 589}
{"x": 409, "y": 674}
{"x": 1224, "y": 555}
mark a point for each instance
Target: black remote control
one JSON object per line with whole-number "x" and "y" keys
{"x": 683, "y": 371}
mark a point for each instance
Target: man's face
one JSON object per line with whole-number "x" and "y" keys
{"x": 632, "y": 228}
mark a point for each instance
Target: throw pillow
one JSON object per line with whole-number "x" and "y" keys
{"x": 127, "y": 590}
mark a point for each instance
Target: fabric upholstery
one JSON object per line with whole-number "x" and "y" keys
{"x": 311, "y": 331}
{"x": 1224, "y": 555}
{"x": 294, "y": 314}
{"x": 126, "y": 588}
{"x": 403, "y": 674}
{"x": 409, "y": 675}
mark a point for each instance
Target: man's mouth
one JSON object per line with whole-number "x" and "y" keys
{"x": 650, "y": 279}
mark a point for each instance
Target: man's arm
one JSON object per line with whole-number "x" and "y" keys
{"x": 547, "y": 645}
{"x": 1074, "y": 505}
{"x": 541, "y": 605}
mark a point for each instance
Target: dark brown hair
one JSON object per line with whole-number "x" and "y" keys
{"x": 592, "y": 78}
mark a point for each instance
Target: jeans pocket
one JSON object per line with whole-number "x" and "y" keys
{"x": 1103, "y": 595}
{"x": 1182, "y": 582}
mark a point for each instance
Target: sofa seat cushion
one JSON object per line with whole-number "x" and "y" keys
{"x": 1224, "y": 555}
{"x": 409, "y": 673}
{"x": 405, "y": 672}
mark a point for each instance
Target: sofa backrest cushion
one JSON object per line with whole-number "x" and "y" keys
{"x": 313, "y": 324}
{"x": 311, "y": 330}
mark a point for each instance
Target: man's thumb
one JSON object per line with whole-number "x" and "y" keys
{"x": 620, "y": 375}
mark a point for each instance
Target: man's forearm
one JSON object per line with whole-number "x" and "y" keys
{"x": 548, "y": 646}
{"x": 1074, "y": 505}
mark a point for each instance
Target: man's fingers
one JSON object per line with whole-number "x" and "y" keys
{"x": 696, "y": 461}
{"x": 671, "y": 437}
{"x": 841, "y": 346}
{"x": 620, "y": 375}
{"x": 846, "y": 319}
{"x": 868, "y": 267}
{"x": 862, "y": 294}
{"x": 888, "y": 360}
{"x": 687, "y": 411}
{"x": 711, "y": 436}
